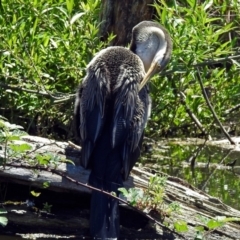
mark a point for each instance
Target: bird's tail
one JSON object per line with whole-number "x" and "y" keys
{"x": 104, "y": 214}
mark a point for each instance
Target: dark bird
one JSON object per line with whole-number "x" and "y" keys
{"x": 111, "y": 111}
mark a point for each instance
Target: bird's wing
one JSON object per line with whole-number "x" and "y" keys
{"x": 125, "y": 98}
{"x": 133, "y": 144}
{"x": 130, "y": 116}
{"x": 91, "y": 117}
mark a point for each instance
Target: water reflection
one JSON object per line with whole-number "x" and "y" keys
{"x": 210, "y": 168}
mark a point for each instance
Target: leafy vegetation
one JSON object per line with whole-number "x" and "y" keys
{"x": 8, "y": 134}
{"x": 203, "y": 35}
{"x": 211, "y": 224}
{"x": 152, "y": 199}
{"x": 45, "y": 47}
{"x": 14, "y": 150}
{"x": 47, "y": 207}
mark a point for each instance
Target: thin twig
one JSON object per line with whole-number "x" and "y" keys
{"x": 195, "y": 154}
{"x": 202, "y": 64}
{"x": 7, "y": 86}
{"x": 207, "y": 180}
{"x": 74, "y": 146}
{"x": 211, "y": 108}
{"x": 219, "y": 60}
{"x": 38, "y": 92}
{"x": 226, "y": 112}
{"x": 65, "y": 99}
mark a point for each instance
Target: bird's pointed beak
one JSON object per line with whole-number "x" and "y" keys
{"x": 151, "y": 71}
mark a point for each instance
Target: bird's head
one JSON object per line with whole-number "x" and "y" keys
{"x": 152, "y": 43}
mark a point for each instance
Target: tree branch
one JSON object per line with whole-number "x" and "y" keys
{"x": 204, "y": 63}
{"x": 42, "y": 93}
{"x": 226, "y": 112}
{"x": 221, "y": 161}
{"x": 211, "y": 108}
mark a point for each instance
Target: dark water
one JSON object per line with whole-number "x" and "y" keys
{"x": 212, "y": 169}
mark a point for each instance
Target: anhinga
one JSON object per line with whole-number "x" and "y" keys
{"x": 111, "y": 110}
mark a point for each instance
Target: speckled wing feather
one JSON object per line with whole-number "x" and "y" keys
{"x": 126, "y": 95}
{"x": 130, "y": 115}
{"x": 132, "y": 146}
{"x": 95, "y": 91}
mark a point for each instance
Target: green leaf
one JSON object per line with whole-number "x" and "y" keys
{"x": 192, "y": 3}
{"x": 68, "y": 161}
{"x": 46, "y": 184}
{"x": 212, "y": 224}
{"x": 20, "y": 148}
{"x": 35, "y": 194}
{"x": 199, "y": 228}
{"x": 3, "y": 118}
{"x": 208, "y": 4}
{"x": 13, "y": 138}
{"x": 69, "y": 5}
{"x": 76, "y": 17}
{"x": 181, "y": 226}
{"x": 199, "y": 236}
{"x": 12, "y": 126}
{"x": 3, "y": 221}
{"x": 124, "y": 191}
{"x": 43, "y": 159}
{"x": 113, "y": 194}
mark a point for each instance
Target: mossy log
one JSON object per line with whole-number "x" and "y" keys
{"x": 193, "y": 202}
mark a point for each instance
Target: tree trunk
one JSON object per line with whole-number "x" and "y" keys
{"x": 119, "y": 17}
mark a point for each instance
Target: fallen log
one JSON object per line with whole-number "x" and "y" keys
{"x": 194, "y": 203}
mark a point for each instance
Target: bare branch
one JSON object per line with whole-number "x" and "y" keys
{"x": 219, "y": 60}
{"x": 226, "y": 112}
{"x": 42, "y": 93}
{"x": 6, "y": 86}
{"x": 212, "y": 173}
{"x": 202, "y": 64}
{"x": 211, "y": 108}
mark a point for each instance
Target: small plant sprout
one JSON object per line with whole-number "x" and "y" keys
{"x": 151, "y": 199}
{"x": 47, "y": 207}
{"x": 3, "y": 220}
